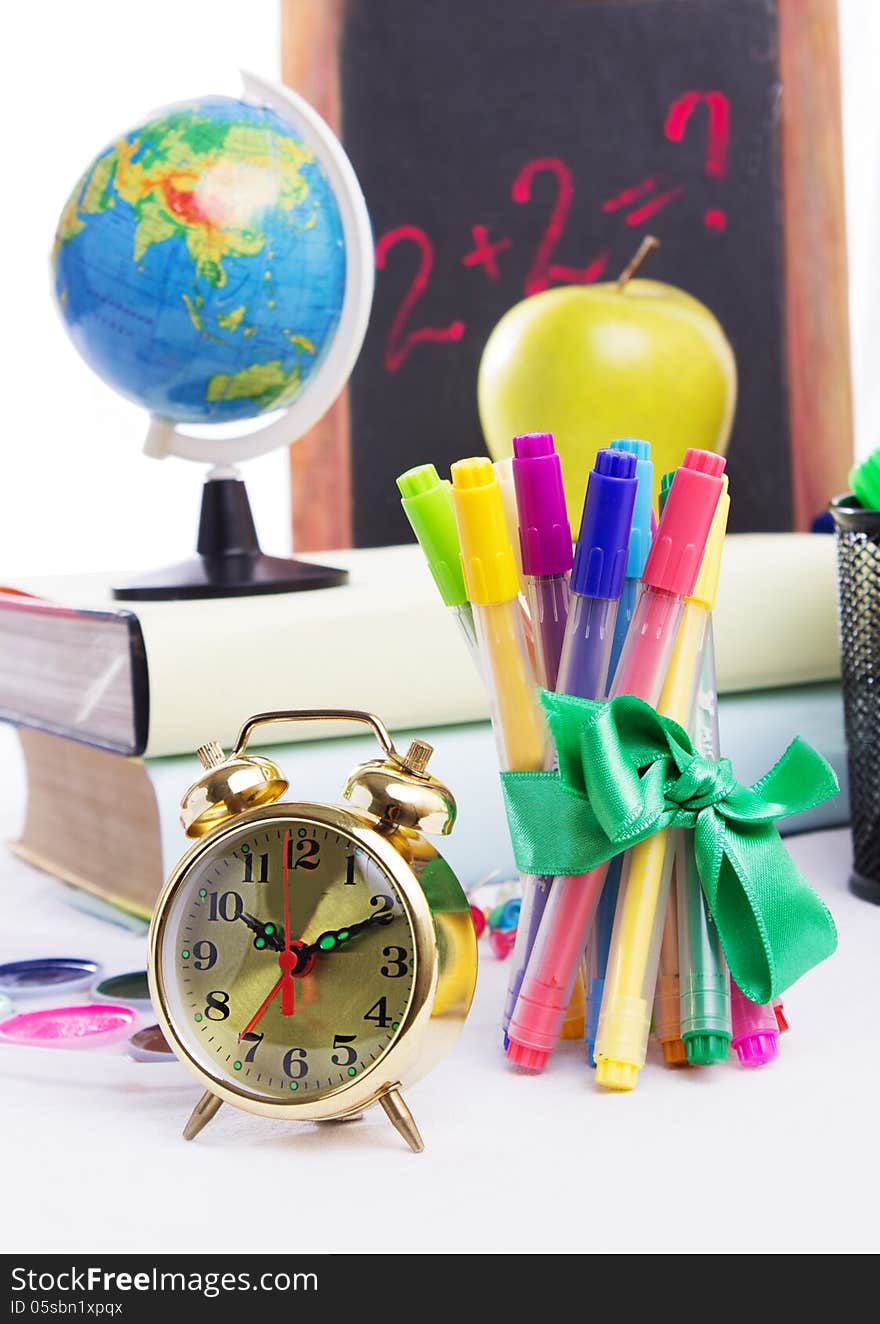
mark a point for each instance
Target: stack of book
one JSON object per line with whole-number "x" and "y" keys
{"x": 110, "y": 703}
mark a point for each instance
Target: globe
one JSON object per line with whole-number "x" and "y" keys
{"x": 199, "y": 263}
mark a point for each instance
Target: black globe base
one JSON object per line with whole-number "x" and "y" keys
{"x": 229, "y": 577}
{"x": 229, "y": 561}
{"x": 866, "y": 888}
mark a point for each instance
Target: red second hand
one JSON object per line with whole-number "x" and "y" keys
{"x": 287, "y": 959}
{"x": 252, "y": 1022}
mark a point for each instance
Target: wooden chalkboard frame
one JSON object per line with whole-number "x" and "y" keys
{"x": 816, "y": 292}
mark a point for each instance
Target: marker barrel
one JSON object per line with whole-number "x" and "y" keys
{"x": 599, "y": 937}
{"x": 705, "y": 981}
{"x": 625, "y": 1018}
{"x": 520, "y": 731}
{"x": 549, "y": 602}
{"x": 535, "y": 1014}
{"x": 596, "y": 955}
{"x": 573, "y": 1022}
{"x": 464, "y": 619}
{"x": 648, "y": 646}
{"x": 625, "y": 611}
{"x": 583, "y": 666}
{"x": 667, "y": 992}
{"x": 522, "y": 741}
{"x": 548, "y": 597}
{"x": 492, "y": 588}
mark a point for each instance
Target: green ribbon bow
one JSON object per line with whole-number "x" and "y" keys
{"x": 625, "y": 773}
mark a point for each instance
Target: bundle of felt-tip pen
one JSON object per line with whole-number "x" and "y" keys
{"x": 655, "y": 889}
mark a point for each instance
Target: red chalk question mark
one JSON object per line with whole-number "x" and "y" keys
{"x": 717, "y": 139}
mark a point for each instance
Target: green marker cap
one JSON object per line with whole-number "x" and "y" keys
{"x": 705, "y": 1049}
{"x": 864, "y": 479}
{"x": 665, "y": 484}
{"x": 427, "y": 504}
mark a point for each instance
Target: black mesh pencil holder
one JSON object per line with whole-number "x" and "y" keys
{"x": 857, "y": 534}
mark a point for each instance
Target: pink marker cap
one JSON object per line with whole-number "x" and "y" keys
{"x": 755, "y": 1031}
{"x": 677, "y": 550}
{"x": 544, "y": 531}
{"x": 757, "y": 1049}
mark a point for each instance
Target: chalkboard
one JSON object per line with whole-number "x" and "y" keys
{"x": 505, "y": 146}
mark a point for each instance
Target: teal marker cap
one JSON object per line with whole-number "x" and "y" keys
{"x": 704, "y": 1048}
{"x": 640, "y": 533}
{"x": 427, "y": 502}
{"x": 864, "y": 479}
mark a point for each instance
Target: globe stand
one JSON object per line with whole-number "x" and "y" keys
{"x": 229, "y": 561}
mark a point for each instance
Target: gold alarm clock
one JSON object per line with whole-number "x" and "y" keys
{"x": 308, "y": 960}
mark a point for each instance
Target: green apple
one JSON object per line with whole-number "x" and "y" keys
{"x": 589, "y": 363}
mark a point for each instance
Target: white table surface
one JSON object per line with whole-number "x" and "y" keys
{"x": 722, "y": 1160}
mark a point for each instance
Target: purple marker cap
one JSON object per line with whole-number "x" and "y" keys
{"x": 544, "y": 530}
{"x": 603, "y": 542}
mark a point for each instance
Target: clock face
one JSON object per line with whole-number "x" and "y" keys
{"x": 287, "y": 960}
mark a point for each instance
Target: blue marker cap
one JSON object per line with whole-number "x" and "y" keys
{"x": 603, "y": 542}
{"x": 640, "y": 534}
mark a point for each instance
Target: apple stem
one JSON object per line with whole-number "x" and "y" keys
{"x": 648, "y": 244}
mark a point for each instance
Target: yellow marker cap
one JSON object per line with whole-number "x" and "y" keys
{"x": 487, "y": 557}
{"x": 706, "y": 587}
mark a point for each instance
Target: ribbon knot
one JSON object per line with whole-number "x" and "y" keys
{"x": 700, "y": 785}
{"x": 625, "y": 772}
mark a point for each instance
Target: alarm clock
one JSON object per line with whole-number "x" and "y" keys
{"x": 308, "y": 960}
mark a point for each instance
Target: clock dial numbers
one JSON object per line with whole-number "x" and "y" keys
{"x": 350, "y": 958}
{"x": 384, "y": 906}
{"x": 225, "y": 905}
{"x": 204, "y": 954}
{"x": 303, "y": 851}
{"x": 296, "y": 1064}
{"x": 254, "y": 1040}
{"x": 346, "y": 1055}
{"x": 256, "y": 867}
{"x": 396, "y": 966}
{"x": 217, "y": 1007}
{"x": 379, "y": 1013}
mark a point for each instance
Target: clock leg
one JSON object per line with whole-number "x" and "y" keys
{"x": 201, "y": 1115}
{"x": 401, "y": 1119}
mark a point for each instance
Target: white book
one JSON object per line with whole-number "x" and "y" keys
{"x": 158, "y": 678}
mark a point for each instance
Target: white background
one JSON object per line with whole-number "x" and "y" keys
{"x": 77, "y": 491}
{"x": 785, "y": 1157}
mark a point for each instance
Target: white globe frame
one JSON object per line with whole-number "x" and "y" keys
{"x": 164, "y": 436}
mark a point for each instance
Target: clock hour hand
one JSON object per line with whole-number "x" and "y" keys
{"x": 267, "y": 933}
{"x": 335, "y": 938}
